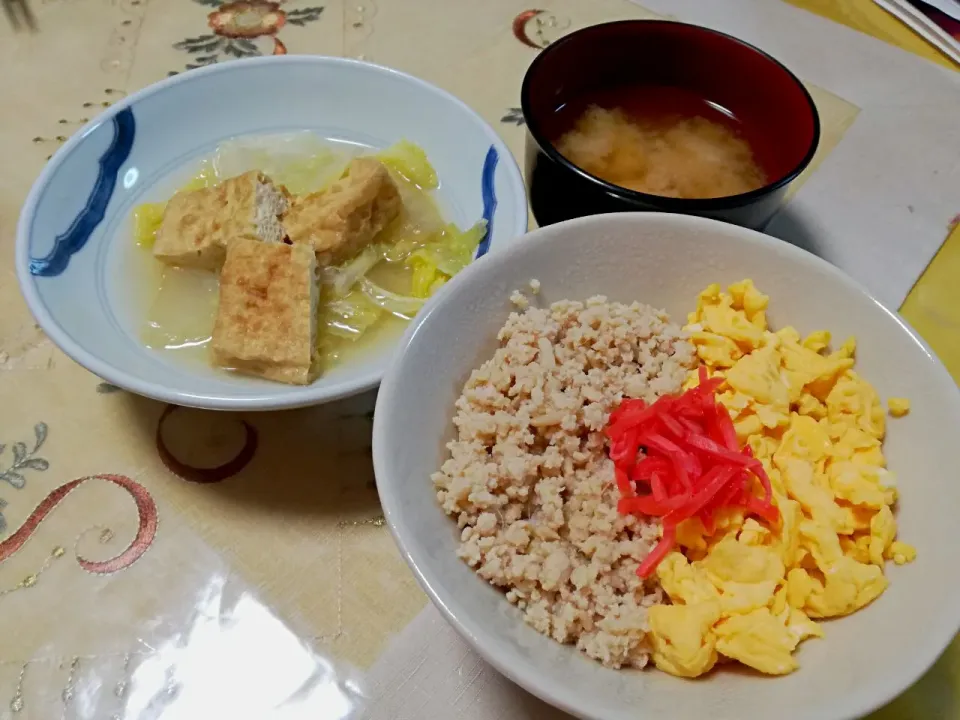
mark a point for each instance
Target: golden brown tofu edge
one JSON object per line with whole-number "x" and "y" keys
{"x": 341, "y": 221}
{"x": 266, "y": 318}
{"x": 198, "y": 224}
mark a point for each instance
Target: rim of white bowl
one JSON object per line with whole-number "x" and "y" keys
{"x": 313, "y": 394}
{"x": 855, "y": 705}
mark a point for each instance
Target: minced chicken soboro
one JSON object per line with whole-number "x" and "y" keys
{"x": 529, "y": 480}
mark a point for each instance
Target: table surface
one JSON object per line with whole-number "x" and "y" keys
{"x": 114, "y": 532}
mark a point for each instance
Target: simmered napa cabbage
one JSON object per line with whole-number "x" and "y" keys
{"x": 412, "y": 258}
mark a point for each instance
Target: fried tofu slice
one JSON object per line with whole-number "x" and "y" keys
{"x": 266, "y": 321}
{"x": 197, "y": 225}
{"x": 342, "y": 220}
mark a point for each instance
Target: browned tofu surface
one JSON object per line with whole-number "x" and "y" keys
{"x": 266, "y": 319}
{"x": 197, "y": 225}
{"x": 340, "y": 221}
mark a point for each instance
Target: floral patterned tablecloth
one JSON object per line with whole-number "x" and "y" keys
{"x": 140, "y": 543}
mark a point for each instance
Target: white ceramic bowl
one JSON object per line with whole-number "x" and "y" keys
{"x": 77, "y": 216}
{"x": 665, "y": 260}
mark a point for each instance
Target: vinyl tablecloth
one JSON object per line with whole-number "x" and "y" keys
{"x": 142, "y": 545}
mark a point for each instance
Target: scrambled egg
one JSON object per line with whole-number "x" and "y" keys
{"x": 752, "y": 592}
{"x": 898, "y": 406}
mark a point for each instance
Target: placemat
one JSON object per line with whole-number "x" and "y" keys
{"x": 138, "y": 541}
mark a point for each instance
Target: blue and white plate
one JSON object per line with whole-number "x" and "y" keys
{"x": 76, "y": 223}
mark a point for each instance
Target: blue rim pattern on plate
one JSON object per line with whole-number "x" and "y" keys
{"x": 489, "y": 197}
{"x": 93, "y": 212}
